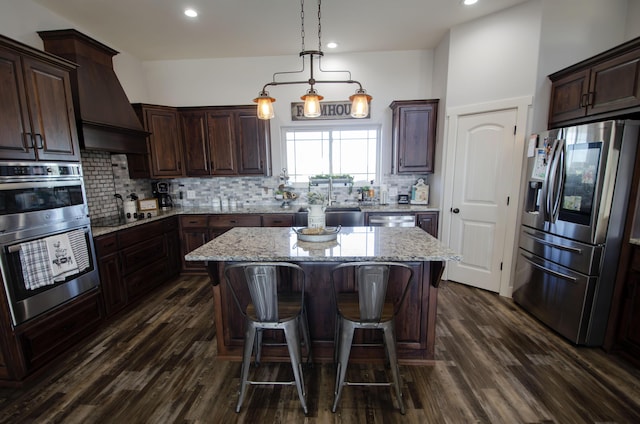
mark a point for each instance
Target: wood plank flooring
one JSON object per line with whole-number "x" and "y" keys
{"x": 494, "y": 364}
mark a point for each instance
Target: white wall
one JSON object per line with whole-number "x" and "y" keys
{"x": 574, "y": 30}
{"x": 387, "y": 76}
{"x": 494, "y": 57}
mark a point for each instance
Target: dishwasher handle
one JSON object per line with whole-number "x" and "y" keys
{"x": 392, "y": 220}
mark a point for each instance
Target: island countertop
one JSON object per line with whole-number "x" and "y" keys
{"x": 403, "y": 244}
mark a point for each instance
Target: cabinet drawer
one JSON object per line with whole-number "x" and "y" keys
{"x": 277, "y": 220}
{"x": 146, "y": 279}
{"x": 106, "y": 245}
{"x": 194, "y": 221}
{"x": 226, "y": 221}
{"x": 139, "y": 233}
{"x": 139, "y": 255}
{"x": 45, "y": 339}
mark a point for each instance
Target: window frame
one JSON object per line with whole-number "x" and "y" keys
{"x": 333, "y": 127}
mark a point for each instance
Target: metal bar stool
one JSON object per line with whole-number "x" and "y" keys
{"x": 369, "y": 307}
{"x": 271, "y": 305}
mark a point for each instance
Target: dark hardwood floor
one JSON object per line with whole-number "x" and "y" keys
{"x": 494, "y": 364}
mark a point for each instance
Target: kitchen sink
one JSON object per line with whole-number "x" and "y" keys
{"x": 347, "y": 216}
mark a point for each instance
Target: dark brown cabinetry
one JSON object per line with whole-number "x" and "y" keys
{"x": 44, "y": 339}
{"x": 428, "y": 221}
{"x": 603, "y": 86}
{"x": 197, "y": 230}
{"x": 36, "y": 108}
{"x": 164, "y": 143}
{"x": 277, "y": 220}
{"x": 134, "y": 261}
{"x": 414, "y": 136}
{"x": 227, "y": 140}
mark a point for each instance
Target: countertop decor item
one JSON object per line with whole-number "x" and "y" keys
{"x": 317, "y": 234}
{"x": 359, "y": 101}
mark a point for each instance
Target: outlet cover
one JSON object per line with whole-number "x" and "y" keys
{"x": 191, "y": 194}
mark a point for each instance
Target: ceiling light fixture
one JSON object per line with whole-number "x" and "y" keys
{"x": 359, "y": 101}
{"x": 469, "y": 2}
{"x": 191, "y": 13}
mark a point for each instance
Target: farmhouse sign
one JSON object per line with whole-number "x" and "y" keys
{"x": 330, "y": 110}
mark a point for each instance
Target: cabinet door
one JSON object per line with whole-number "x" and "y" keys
{"x": 15, "y": 130}
{"x": 192, "y": 238}
{"x": 615, "y": 84}
{"x": 222, "y": 145}
{"x": 569, "y": 97}
{"x": 414, "y": 135}
{"x": 113, "y": 292}
{"x": 428, "y": 222}
{"x": 196, "y": 143}
{"x": 164, "y": 142}
{"x": 252, "y": 139}
{"x": 629, "y": 325}
{"x": 51, "y": 109}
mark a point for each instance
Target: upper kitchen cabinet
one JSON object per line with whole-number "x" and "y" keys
{"x": 165, "y": 142}
{"x": 225, "y": 140}
{"x": 600, "y": 87}
{"x": 414, "y": 136}
{"x": 36, "y": 108}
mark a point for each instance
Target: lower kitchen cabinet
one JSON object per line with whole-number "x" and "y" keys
{"x": 428, "y": 221}
{"x": 197, "y": 230}
{"x": 44, "y": 339}
{"x": 136, "y": 260}
{"x": 277, "y": 220}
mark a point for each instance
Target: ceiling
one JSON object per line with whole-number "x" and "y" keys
{"x": 158, "y": 29}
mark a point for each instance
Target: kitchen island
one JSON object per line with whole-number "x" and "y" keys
{"x": 415, "y": 326}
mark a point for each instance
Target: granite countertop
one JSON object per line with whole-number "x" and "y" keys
{"x": 404, "y": 244}
{"x": 635, "y": 241}
{"x": 254, "y": 209}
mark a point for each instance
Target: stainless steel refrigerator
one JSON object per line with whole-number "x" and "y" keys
{"x": 576, "y": 199}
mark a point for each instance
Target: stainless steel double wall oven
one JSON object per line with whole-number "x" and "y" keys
{"x": 39, "y": 201}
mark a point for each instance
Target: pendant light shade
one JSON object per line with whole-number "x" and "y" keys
{"x": 360, "y": 104}
{"x": 265, "y": 105}
{"x": 360, "y": 100}
{"x": 312, "y": 103}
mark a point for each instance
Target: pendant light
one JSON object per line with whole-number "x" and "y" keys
{"x": 312, "y": 108}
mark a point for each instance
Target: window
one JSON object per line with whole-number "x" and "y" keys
{"x": 335, "y": 151}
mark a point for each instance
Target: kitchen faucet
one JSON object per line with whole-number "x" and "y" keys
{"x": 330, "y": 200}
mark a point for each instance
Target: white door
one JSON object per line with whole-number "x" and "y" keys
{"x": 482, "y": 181}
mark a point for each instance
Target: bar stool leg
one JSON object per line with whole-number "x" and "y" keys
{"x": 304, "y": 323}
{"x": 249, "y": 338}
{"x": 293, "y": 345}
{"x": 390, "y": 342}
{"x": 258, "y": 347}
{"x": 346, "y": 338}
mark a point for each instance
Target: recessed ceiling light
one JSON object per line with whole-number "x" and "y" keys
{"x": 469, "y": 2}
{"x": 191, "y": 13}
{"x": 332, "y": 45}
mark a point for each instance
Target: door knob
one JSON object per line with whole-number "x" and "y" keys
{"x": 455, "y": 210}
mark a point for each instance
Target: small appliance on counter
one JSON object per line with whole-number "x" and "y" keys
{"x": 160, "y": 191}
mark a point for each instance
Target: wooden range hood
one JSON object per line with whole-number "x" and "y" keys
{"x": 105, "y": 118}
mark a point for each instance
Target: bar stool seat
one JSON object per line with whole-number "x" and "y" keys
{"x": 369, "y": 307}
{"x": 266, "y": 303}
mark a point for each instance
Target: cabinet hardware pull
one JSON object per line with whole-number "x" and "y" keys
{"x": 41, "y": 145}
{"x": 25, "y": 145}
{"x": 590, "y": 97}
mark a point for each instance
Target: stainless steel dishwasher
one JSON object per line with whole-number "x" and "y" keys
{"x": 392, "y": 220}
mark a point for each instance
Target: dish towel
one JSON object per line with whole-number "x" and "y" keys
{"x": 61, "y": 257}
{"x": 35, "y": 264}
{"x": 79, "y": 247}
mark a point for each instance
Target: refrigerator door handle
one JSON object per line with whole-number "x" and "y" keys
{"x": 550, "y": 271}
{"x": 554, "y": 245}
{"x": 555, "y": 179}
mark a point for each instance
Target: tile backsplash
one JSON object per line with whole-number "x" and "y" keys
{"x": 106, "y": 174}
